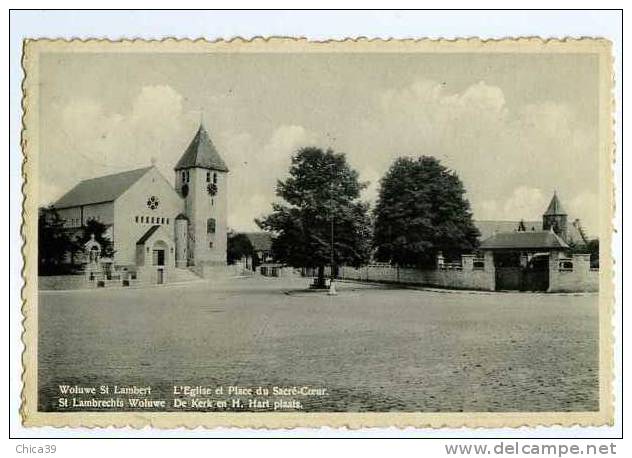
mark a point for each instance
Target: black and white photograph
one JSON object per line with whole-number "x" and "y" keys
{"x": 282, "y": 233}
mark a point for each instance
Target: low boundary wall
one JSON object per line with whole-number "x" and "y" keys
{"x": 472, "y": 273}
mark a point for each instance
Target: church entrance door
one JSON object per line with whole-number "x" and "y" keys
{"x": 159, "y": 262}
{"x": 159, "y": 257}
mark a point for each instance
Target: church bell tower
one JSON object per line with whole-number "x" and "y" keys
{"x": 201, "y": 180}
{"x": 555, "y": 218}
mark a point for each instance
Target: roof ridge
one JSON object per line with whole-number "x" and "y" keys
{"x": 117, "y": 173}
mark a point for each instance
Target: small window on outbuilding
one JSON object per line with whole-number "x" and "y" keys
{"x": 566, "y": 265}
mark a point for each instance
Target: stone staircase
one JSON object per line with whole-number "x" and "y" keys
{"x": 183, "y": 275}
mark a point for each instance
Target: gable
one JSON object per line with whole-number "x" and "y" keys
{"x": 152, "y": 185}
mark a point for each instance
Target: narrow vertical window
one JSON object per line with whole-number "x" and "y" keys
{"x": 214, "y": 177}
{"x": 137, "y": 219}
{"x": 210, "y": 226}
{"x": 167, "y": 220}
{"x": 208, "y": 177}
{"x": 183, "y": 175}
{"x": 187, "y": 176}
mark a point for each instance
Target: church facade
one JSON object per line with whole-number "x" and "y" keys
{"x": 157, "y": 228}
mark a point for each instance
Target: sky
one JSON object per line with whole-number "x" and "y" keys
{"x": 514, "y": 127}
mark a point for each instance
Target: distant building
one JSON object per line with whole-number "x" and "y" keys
{"x": 261, "y": 243}
{"x": 536, "y": 256}
{"x": 555, "y": 218}
{"x": 157, "y": 228}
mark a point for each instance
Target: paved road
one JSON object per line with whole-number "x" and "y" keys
{"x": 373, "y": 348}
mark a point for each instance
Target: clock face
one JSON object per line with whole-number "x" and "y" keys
{"x": 211, "y": 188}
{"x": 153, "y": 202}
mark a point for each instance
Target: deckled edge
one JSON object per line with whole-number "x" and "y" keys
{"x": 190, "y": 420}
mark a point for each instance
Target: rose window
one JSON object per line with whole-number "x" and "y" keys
{"x": 153, "y": 202}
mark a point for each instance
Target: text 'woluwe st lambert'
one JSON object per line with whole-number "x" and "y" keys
{"x": 106, "y": 389}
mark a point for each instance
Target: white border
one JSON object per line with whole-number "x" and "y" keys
{"x": 314, "y": 25}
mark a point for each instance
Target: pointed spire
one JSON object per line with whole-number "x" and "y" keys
{"x": 201, "y": 153}
{"x": 555, "y": 207}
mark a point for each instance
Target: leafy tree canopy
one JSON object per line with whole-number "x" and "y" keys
{"x": 54, "y": 242}
{"x": 421, "y": 210}
{"x": 239, "y": 246}
{"x": 321, "y": 188}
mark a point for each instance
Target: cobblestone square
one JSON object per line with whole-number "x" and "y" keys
{"x": 373, "y": 348}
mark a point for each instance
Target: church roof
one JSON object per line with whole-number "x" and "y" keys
{"x": 102, "y": 189}
{"x": 201, "y": 153}
{"x": 555, "y": 207}
{"x": 260, "y": 241}
{"x": 529, "y": 240}
{"x": 487, "y": 228}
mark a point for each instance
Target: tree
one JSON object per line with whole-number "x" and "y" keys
{"x": 421, "y": 210}
{"x": 54, "y": 242}
{"x": 99, "y": 230}
{"x": 322, "y": 199}
{"x": 239, "y": 247}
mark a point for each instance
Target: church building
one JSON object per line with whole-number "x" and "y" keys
{"x": 157, "y": 229}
